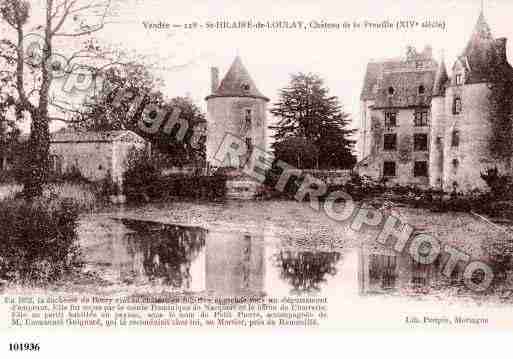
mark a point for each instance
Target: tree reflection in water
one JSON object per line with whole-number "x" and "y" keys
{"x": 306, "y": 271}
{"x": 168, "y": 250}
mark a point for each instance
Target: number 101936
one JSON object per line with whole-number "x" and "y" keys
{"x": 24, "y": 347}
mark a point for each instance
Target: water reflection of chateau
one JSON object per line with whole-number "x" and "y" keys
{"x": 382, "y": 270}
{"x": 189, "y": 258}
{"x": 235, "y": 263}
{"x": 193, "y": 259}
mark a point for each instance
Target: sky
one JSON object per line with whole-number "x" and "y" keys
{"x": 339, "y": 57}
{"x": 182, "y": 58}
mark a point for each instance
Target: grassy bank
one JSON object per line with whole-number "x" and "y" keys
{"x": 85, "y": 196}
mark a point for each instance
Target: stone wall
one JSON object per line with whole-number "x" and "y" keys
{"x": 225, "y": 115}
{"x": 404, "y": 156}
{"x": 364, "y": 136}
{"x": 93, "y": 160}
{"x": 463, "y": 164}
{"x": 436, "y": 146}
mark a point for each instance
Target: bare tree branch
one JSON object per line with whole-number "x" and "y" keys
{"x": 88, "y": 29}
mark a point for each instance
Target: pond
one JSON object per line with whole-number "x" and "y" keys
{"x": 196, "y": 260}
{"x": 255, "y": 257}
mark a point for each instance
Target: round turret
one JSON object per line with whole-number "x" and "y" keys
{"x": 235, "y": 107}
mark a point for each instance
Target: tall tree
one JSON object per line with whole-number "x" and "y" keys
{"x": 68, "y": 19}
{"x": 306, "y": 111}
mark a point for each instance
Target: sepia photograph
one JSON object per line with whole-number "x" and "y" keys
{"x": 268, "y": 166}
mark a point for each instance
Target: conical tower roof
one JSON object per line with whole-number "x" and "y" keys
{"x": 237, "y": 83}
{"x": 480, "y": 52}
{"x": 441, "y": 79}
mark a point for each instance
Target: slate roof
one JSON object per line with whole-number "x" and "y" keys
{"x": 405, "y": 86}
{"x": 374, "y": 69}
{"x": 90, "y": 136}
{"x": 405, "y": 75}
{"x": 237, "y": 83}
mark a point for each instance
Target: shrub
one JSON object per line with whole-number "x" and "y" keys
{"x": 500, "y": 253}
{"x": 203, "y": 187}
{"x": 500, "y": 185}
{"x": 82, "y": 195}
{"x": 143, "y": 181}
{"x": 360, "y": 187}
{"x": 73, "y": 175}
{"x": 39, "y": 240}
{"x": 141, "y": 175}
{"x": 107, "y": 186}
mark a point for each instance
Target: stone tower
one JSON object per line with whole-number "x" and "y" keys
{"x": 468, "y": 127}
{"x": 235, "y": 107}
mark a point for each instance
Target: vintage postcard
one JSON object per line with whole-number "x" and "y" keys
{"x": 255, "y": 166}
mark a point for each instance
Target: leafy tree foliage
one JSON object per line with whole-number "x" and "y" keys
{"x": 110, "y": 110}
{"x": 306, "y": 111}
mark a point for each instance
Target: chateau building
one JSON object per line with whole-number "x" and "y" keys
{"x": 421, "y": 126}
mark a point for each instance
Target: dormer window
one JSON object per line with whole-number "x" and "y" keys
{"x": 245, "y": 86}
{"x": 459, "y": 79}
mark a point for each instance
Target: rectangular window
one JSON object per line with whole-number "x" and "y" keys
{"x": 390, "y": 142}
{"x": 247, "y": 115}
{"x": 455, "y": 141}
{"x": 389, "y": 169}
{"x": 421, "y": 118}
{"x": 390, "y": 119}
{"x": 420, "y": 169}
{"x": 457, "y": 106}
{"x": 459, "y": 79}
{"x": 420, "y": 142}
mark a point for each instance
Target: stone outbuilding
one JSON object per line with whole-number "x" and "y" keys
{"x": 96, "y": 155}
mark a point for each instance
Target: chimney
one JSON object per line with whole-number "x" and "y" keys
{"x": 214, "y": 78}
{"x": 500, "y": 46}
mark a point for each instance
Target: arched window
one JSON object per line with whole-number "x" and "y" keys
{"x": 391, "y": 91}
